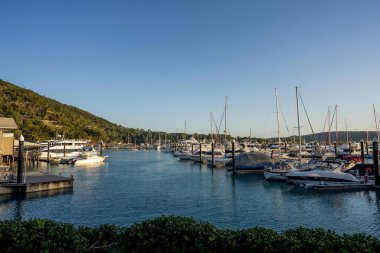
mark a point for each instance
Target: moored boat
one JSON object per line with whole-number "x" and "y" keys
{"x": 323, "y": 171}
{"x": 278, "y": 171}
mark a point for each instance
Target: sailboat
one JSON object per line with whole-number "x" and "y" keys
{"x": 278, "y": 171}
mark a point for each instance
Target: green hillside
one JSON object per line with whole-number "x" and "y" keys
{"x": 42, "y": 118}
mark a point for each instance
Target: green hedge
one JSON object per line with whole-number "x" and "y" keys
{"x": 173, "y": 234}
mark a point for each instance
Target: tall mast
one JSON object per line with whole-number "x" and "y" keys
{"x": 299, "y": 127}
{"x": 336, "y": 123}
{"x": 377, "y": 126}
{"x": 225, "y": 120}
{"x": 212, "y": 136}
{"x": 329, "y": 116}
{"x": 278, "y": 123}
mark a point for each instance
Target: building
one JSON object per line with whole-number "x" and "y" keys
{"x": 6, "y": 138}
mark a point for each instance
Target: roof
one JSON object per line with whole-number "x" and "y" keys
{"x": 7, "y": 123}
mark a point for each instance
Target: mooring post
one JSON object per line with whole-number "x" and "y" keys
{"x": 233, "y": 156}
{"x": 212, "y": 154}
{"x": 336, "y": 150}
{"x": 349, "y": 147}
{"x": 362, "y": 150}
{"x": 375, "y": 146}
{"x": 366, "y": 147}
{"x": 101, "y": 148}
{"x": 200, "y": 152}
{"x": 48, "y": 154}
{"x": 192, "y": 148}
{"x": 286, "y": 147}
{"x": 21, "y": 165}
{"x": 64, "y": 148}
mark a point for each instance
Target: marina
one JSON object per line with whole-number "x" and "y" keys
{"x": 134, "y": 186}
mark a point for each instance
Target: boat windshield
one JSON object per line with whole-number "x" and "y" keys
{"x": 327, "y": 166}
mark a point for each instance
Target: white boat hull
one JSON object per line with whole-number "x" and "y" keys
{"x": 90, "y": 160}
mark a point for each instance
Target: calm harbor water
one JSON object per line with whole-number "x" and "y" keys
{"x": 134, "y": 186}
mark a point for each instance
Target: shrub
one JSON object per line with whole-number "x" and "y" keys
{"x": 173, "y": 234}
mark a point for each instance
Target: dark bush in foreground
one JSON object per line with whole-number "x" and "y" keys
{"x": 173, "y": 234}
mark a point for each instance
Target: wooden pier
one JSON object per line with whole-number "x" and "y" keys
{"x": 36, "y": 182}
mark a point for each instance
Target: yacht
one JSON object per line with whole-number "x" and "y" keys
{"x": 58, "y": 149}
{"x": 324, "y": 171}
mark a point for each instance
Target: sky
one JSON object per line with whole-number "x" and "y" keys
{"x": 158, "y": 64}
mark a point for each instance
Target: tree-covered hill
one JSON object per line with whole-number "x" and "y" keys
{"x": 40, "y": 118}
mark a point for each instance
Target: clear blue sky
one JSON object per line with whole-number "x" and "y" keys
{"x": 154, "y": 64}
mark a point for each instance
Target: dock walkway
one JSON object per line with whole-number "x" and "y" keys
{"x": 37, "y": 182}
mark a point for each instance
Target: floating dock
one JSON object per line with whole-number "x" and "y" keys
{"x": 36, "y": 182}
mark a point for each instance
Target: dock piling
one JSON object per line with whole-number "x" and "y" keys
{"x": 200, "y": 152}
{"x": 48, "y": 153}
{"x": 349, "y": 147}
{"x": 362, "y": 150}
{"x": 212, "y": 154}
{"x": 20, "y": 165}
{"x": 233, "y": 157}
{"x": 375, "y": 146}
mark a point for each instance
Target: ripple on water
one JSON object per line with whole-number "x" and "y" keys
{"x": 133, "y": 186}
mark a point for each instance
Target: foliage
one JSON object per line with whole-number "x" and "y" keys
{"x": 173, "y": 234}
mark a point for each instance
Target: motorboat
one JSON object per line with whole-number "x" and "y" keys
{"x": 323, "y": 171}
{"x": 89, "y": 157}
{"x": 278, "y": 171}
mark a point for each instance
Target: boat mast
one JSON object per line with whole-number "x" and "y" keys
{"x": 377, "y": 126}
{"x": 336, "y": 123}
{"x": 299, "y": 127}
{"x": 278, "y": 123}
{"x": 225, "y": 120}
{"x": 212, "y": 136}
{"x": 329, "y": 116}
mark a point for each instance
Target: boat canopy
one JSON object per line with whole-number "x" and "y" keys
{"x": 252, "y": 159}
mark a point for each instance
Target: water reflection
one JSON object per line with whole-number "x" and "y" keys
{"x": 133, "y": 186}
{"x": 19, "y": 201}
